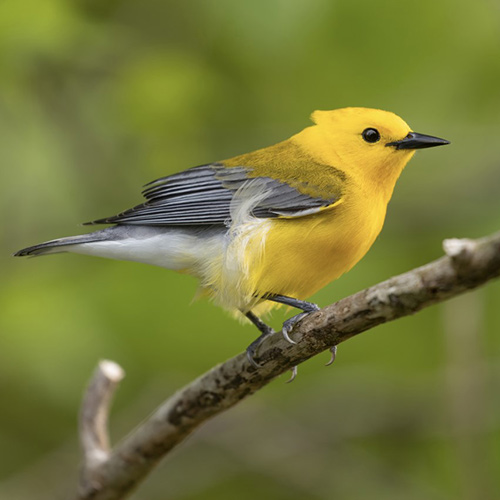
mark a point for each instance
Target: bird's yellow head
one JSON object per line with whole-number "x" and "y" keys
{"x": 369, "y": 143}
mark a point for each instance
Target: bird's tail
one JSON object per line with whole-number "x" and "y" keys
{"x": 177, "y": 249}
{"x": 60, "y": 245}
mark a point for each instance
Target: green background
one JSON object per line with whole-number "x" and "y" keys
{"x": 99, "y": 97}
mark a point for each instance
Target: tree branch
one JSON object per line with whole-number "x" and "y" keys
{"x": 93, "y": 423}
{"x": 467, "y": 265}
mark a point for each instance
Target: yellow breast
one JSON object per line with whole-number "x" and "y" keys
{"x": 303, "y": 255}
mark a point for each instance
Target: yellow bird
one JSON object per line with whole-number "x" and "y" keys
{"x": 268, "y": 227}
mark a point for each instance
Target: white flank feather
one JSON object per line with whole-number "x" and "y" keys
{"x": 244, "y": 249}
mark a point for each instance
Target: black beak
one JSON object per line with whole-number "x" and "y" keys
{"x": 418, "y": 141}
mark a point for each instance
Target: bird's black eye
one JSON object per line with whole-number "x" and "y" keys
{"x": 371, "y": 135}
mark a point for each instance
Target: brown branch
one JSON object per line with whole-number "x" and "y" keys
{"x": 467, "y": 265}
{"x": 93, "y": 424}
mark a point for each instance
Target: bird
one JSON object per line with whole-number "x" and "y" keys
{"x": 270, "y": 227}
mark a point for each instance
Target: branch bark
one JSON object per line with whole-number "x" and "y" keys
{"x": 468, "y": 264}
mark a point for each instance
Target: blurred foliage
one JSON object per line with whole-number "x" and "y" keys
{"x": 97, "y": 97}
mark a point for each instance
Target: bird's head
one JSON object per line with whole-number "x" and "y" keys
{"x": 371, "y": 143}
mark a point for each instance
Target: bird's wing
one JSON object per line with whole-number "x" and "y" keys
{"x": 205, "y": 195}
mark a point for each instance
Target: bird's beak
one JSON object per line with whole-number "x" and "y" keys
{"x": 418, "y": 141}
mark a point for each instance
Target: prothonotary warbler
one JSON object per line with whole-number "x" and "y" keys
{"x": 268, "y": 227}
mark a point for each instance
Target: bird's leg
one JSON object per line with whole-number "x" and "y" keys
{"x": 254, "y": 346}
{"x": 266, "y": 330}
{"x": 307, "y": 308}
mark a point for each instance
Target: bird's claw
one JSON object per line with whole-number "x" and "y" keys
{"x": 286, "y": 334}
{"x": 333, "y": 351}
{"x": 289, "y": 324}
{"x": 250, "y": 356}
{"x": 294, "y": 374}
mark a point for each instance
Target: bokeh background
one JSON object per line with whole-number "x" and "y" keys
{"x": 98, "y": 97}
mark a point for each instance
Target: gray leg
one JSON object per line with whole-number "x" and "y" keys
{"x": 254, "y": 346}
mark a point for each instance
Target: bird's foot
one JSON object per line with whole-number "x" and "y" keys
{"x": 290, "y": 323}
{"x": 253, "y": 348}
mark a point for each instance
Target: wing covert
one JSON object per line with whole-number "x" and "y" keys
{"x": 203, "y": 195}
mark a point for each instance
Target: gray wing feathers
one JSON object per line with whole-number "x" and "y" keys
{"x": 193, "y": 180}
{"x": 202, "y": 195}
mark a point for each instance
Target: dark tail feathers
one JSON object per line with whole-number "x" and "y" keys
{"x": 50, "y": 246}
